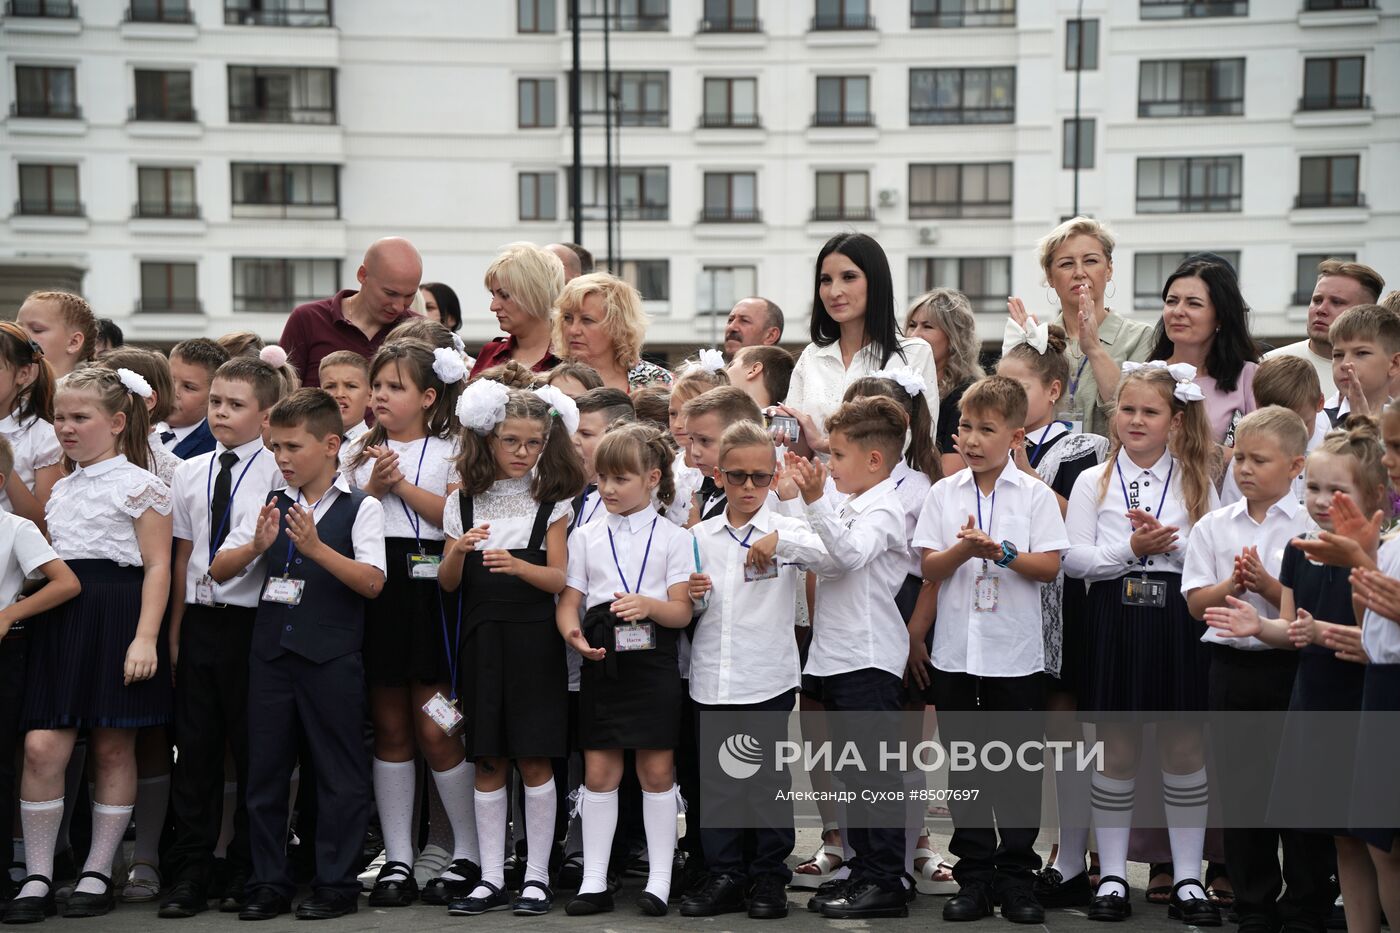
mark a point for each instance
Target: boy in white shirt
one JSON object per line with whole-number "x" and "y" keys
{"x": 345, "y": 375}
{"x": 1289, "y": 381}
{"x": 991, "y": 536}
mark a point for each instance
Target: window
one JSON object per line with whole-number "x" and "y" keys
{"x": 1329, "y": 181}
{"x": 159, "y": 11}
{"x": 163, "y": 95}
{"x": 650, "y": 277}
{"x": 276, "y": 286}
{"x": 842, "y": 14}
{"x": 842, "y": 196}
{"x": 731, "y": 16}
{"x": 539, "y": 199}
{"x": 1307, "y": 273}
{"x": 1189, "y": 185}
{"x": 985, "y": 280}
{"x": 625, "y": 15}
{"x": 537, "y": 103}
{"x": 1150, "y": 271}
{"x": 1324, "y": 5}
{"x": 169, "y": 286}
{"x": 961, "y": 95}
{"x": 1334, "y": 84}
{"x": 843, "y": 101}
{"x": 953, "y": 14}
{"x": 730, "y": 197}
{"x": 1198, "y": 88}
{"x": 1082, "y": 41}
{"x": 277, "y": 189}
{"x": 1079, "y": 143}
{"x": 281, "y": 95}
{"x": 721, "y": 287}
{"x": 165, "y": 192}
{"x": 536, "y": 16}
{"x": 45, "y": 92}
{"x": 49, "y": 189}
{"x": 58, "y": 9}
{"x": 277, "y": 12}
{"x": 640, "y": 193}
{"x": 970, "y": 190}
{"x": 639, "y": 98}
{"x": 1191, "y": 9}
{"x": 731, "y": 102}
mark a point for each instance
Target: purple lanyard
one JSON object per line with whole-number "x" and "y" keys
{"x": 1160, "y": 502}
{"x": 645, "y": 555}
{"x": 415, "y": 521}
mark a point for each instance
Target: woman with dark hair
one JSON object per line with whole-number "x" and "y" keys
{"x": 855, "y": 331}
{"x": 1204, "y": 323}
{"x": 440, "y": 304}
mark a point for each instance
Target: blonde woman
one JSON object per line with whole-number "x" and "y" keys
{"x": 524, "y": 282}
{"x": 943, "y": 318}
{"x": 598, "y": 320}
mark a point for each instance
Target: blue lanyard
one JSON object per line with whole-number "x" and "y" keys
{"x": 645, "y": 555}
{"x": 1035, "y": 453}
{"x": 415, "y": 521}
{"x": 1078, "y": 374}
{"x": 291, "y": 545}
{"x": 579, "y": 518}
{"x": 1160, "y": 502}
{"x": 991, "y": 515}
{"x": 209, "y": 495}
{"x": 743, "y": 543}
{"x": 453, "y": 646}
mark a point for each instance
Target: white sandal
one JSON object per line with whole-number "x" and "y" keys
{"x": 926, "y": 882}
{"x": 828, "y": 859}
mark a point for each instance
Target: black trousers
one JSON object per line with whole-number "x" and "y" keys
{"x": 756, "y": 850}
{"x": 211, "y": 713}
{"x": 290, "y": 697}
{"x": 994, "y": 834}
{"x": 13, "y": 655}
{"x": 1262, "y": 681}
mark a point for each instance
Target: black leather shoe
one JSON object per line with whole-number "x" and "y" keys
{"x": 1052, "y": 890}
{"x": 81, "y": 904}
{"x": 720, "y": 894}
{"x": 1019, "y": 905}
{"x": 30, "y": 909}
{"x": 1111, "y": 908}
{"x": 325, "y": 904}
{"x": 264, "y": 904}
{"x": 536, "y": 904}
{"x": 443, "y": 891}
{"x": 827, "y": 891}
{"x": 235, "y": 893}
{"x": 651, "y": 905}
{"x": 972, "y": 902}
{"x": 1263, "y": 923}
{"x": 184, "y": 900}
{"x": 495, "y": 899}
{"x": 768, "y": 898}
{"x": 866, "y": 900}
{"x": 394, "y": 887}
{"x": 585, "y": 905}
{"x": 1196, "y": 911}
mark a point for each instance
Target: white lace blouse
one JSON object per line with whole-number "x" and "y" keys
{"x": 510, "y": 509}
{"x": 93, "y": 510}
{"x": 35, "y": 446}
{"x": 437, "y": 471}
{"x": 164, "y": 463}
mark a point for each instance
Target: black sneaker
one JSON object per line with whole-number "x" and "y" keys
{"x": 1052, "y": 890}
{"x": 185, "y": 899}
{"x": 1019, "y": 905}
{"x": 972, "y": 902}
{"x": 864, "y": 899}
{"x": 768, "y": 898}
{"x": 721, "y": 894}
{"x": 828, "y": 891}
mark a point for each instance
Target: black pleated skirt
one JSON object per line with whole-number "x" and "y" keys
{"x": 515, "y": 690}
{"x": 630, "y": 699}
{"x": 403, "y": 626}
{"x": 1140, "y": 661}
{"x": 77, "y": 655}
{"x": 1375, "y": 742}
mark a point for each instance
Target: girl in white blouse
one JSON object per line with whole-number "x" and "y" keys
{"x": 854, "y": 333}
{"x": 507, "y": 526}
{"x": 405, "y": 461}
{"x": 93, "y": 662}
{"x": 26, "y": 393}
{"x": 1127, "y": 521}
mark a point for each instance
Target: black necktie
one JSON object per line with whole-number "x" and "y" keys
{"x": 167, "y": 436}
{"x": 223, "y": 492}
{"x": 708, "y": 489}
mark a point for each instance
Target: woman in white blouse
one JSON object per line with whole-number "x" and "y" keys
{"x": 854, "y": 333}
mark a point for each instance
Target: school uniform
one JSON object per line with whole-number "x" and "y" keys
{"x": 214, "y": 493}
{"x": 163, "y": 463}
{"x": 77, "y": 651}
{"x": 1230, "y": 490}
{"x": 196, "y": 442}
{"x": 306, "y": 681}
{"x": 1246, "y": 675}
{"x": 354, "y": 433}
{"x": 403, "y": 627}
{"x": 989, "y": 655}
{"x": 1373, "y": 773}
{"x": 35, "y": 446}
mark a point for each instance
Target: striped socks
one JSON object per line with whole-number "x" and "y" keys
{"x": 1186, "y": 797}
{"x": 1111, "y": 800}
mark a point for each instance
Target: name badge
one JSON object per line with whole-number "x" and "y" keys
{"x": 636, "y": 636}
{"x": 204, "y": 591}
{"x": 1140, "y": 591}
{"x": 284, "y": 590}
{"x": 752, "y": 573}
{"x": 423, "y": 566}
{"x": 986, "y": 590}
{"x": 444, "y": 712}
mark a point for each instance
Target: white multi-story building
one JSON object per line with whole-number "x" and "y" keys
{"x": 200, "y": 166}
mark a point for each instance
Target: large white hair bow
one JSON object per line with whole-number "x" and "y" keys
{"x": 710, "y": 360}
{"x": 448, "y": 365}
{"x": 135, "y": 383}
{"x": 1184, "y": 373}
{"x": 908, "y": 380}
{"x": 483, "y": 405}
{"x": 561, "y": 406}
{"x": 1036, "y": 336}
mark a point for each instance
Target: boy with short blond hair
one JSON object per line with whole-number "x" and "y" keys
{"x": 706, "y": 417}
{"x": 1365, "y": 360}
{"x": 345, "y": 375}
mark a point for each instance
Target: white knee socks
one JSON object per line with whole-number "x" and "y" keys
{"x": 152, "y": 802}
{"x": 1185, "y": 797}
{"x": 393, "y": 795}
{"x": 40, "y": 821}
{"x": 455, "y": 788}
{"x": 659, "y": 817}
{"x": 109, "y": 823}
{"x": 539, "y": 830}
{"x": 598, "y": 813}
{"x": 491, "y": 831}
{"x": 1112, "y": 802}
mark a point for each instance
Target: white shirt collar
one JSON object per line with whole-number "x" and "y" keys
{"x": 340, "y": 482}
{"x": 244, "y": 451}
{"x": 1159, "y": 470}
{"x": 873, "y": 494}
{"x": 1288, "y": 505}
{"x": 102, "y": 466}
{"x": 633, "y": 523}
{"x": 762, "y": 522}
{"x": 1009, "y": 474}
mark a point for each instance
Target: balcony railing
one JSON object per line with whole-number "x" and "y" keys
{"x": 737, "y": 121}
{"x": 248, "y": 209}
{"x": 941, "y": 116}
{"x": 1191, "y": 108}
{"x": 168, "y": 115}
{"x": 628, "y": 212}
{"x": 159, "y": 14}
{"x": 842, "y": 213}
{"x": 49, "y": 208}
{"x": 1192, "y": 9}
{"x": 840, "y": 23}
{"x": 962, "y": 20}
{"x": 626, "y": 117}
{"x": 1336, "y": 102}
{"x": 1332, "y": 199}
{"x": 730, "y": 25}
{"x": 843, "y": 118}
{"x": 46, "y": 110}
{"x": 593, "y": 22}
{"x": 1319, "y": 6}
{"x": 169, "y": 306}
{"x": 930, "y": 210}
{"x": 167, "y": 211}
{"x": 297, "y": 18}
{"x": 48, "y": 9}
{"x": 1189, "y": 204}
{"x": 324, "y": 116}
{"x": 729, "y": 215}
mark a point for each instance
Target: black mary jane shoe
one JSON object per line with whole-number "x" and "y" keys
{"x": 81, "y": 904}
{"x": 326, "y": 904}
{"x": 585, "y": 905}
{"x": 443, "y": 891}
{"x": 1196, "y": 911}
{"x": 536, "y": 905}
{"x": 651, "y": 905}
{"x": 1111, "y": 908}
{"x": 497, "y": 899}
{"x": 186, "y": 899}
{"x": 395, "y": 886}
{"x": 30, "y": 909}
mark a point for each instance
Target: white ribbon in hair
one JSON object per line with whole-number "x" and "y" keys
{"x": 908, "y": 380}
{"x": 448, "y": 365}
{"x": 482, "y": 405}
{"x": 1184, "y": 373}
{"x": 135, "y": 383}
{"x": 1037, "y": 337}
{"x": 560, "y": 406}
{"x": 711, "y": 361}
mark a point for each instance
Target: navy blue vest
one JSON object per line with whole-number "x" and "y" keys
{"x": 329, "y": 622}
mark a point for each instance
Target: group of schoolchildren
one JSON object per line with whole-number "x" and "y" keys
{"x": 500, "y": 573}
